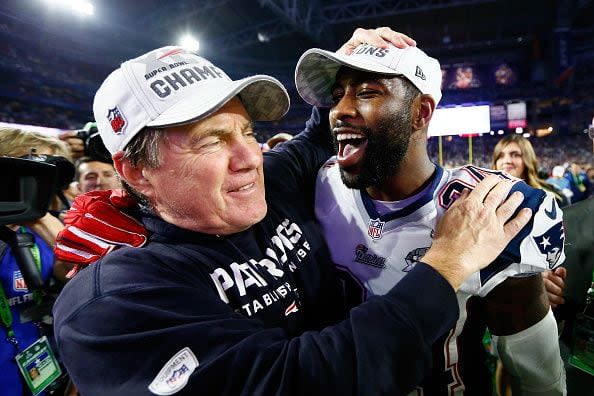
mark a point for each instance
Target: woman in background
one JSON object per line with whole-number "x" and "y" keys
{"x": 515, "y": 155}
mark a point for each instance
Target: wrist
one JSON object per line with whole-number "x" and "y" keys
{"x": 448, "y": 265}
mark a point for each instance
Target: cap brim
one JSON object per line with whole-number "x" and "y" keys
{"x": 264, "y": 98}
{"x": 316, "y": 73}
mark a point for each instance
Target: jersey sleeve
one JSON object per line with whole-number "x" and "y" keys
{"x": 292, "y": 167}
{"x": 167, "y": 339}
{"x": 538, "y": 247}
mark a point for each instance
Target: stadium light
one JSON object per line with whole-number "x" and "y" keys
{"x": 500, "y": 132}
{"x": 550, "y": 129}
{"x": 189, "y": 42}
{"x": 81, "y": 7}
{"x": 519, "y": 130}
{"x": 526, "y": 135}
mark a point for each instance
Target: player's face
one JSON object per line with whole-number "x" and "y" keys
{"x": 210, "y": 178}
{"x": 370, "y": 122}
{"x": 510, "y": 160}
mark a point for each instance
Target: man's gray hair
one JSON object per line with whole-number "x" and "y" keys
{"x": 143, "y": 150}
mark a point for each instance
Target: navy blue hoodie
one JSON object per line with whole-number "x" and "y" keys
{"x": 255, "y": 313}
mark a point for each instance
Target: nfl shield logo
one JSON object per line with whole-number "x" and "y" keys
{"x": 375, "y": 227}
{"x": 18, "y": 282}
{"x": 116, "y": 120}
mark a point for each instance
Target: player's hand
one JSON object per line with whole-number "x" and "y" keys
{"x": 76, "y": 144}
{"x": 95, "y": 225}
{"x": 476, "y": 229}
{"x": 554, "y": 282}
{"x": 379, "y": 37}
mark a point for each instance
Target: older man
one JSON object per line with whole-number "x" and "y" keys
{"x": 235, "y": 294}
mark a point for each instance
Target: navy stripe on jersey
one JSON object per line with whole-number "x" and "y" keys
{"x": 423, "y": 200}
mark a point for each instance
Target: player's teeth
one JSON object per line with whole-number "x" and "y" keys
{"x": 346, "y": 136}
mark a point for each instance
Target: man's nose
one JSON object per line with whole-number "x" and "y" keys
{"x": 344, "y": 109}
{"x": 245, "y": 155}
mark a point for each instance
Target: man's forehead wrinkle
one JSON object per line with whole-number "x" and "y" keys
{"x": 217, "y": 130}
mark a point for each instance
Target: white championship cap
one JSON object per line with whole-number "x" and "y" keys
{"x": 172, "y": 86}
{"x": 316, "y": 70}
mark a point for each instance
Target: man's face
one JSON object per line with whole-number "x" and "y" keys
{"x": 96, "y": 175}
{"x": 211, "y": 177}
{"x": 371, "y": 126}
{"x": 511, "y": 161}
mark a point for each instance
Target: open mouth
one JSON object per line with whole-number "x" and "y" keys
{"x": 351, "y": 148}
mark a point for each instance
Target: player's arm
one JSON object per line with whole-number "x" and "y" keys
{"x": 516, "y": 304}
{"x": 518, "y": 310}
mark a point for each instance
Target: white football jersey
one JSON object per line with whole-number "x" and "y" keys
{"x": 373, "y": 252}
{"x": 379, "y": 250}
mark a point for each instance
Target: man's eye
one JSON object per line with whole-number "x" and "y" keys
{"x": 337, "y": 94}
{"x": 364, "y": 93}
{"x": 211, "y": 144}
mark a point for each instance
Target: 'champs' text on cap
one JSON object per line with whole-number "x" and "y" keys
{"x": 172, "y": 86}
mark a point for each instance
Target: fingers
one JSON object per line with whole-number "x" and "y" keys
{"x": 482, "y": 189}
{"x": 399, "y": 40}
{"x": 509, "y": 206}
{"x": 379, "y": 37}
{"x": 554, "y": 282}
{"x": 497, "y": 195}
{"x": 561, "y": 272}
{"x": 121, "y": 200}
{"x": 515, "y": 225}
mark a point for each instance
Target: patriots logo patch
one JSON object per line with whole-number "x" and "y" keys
{"x": 413, "y": 257}
{"x": 550, "y": 243}
{"x": 374, "y": 228}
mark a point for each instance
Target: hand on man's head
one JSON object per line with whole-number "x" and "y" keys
{"x": 379, "y": 37}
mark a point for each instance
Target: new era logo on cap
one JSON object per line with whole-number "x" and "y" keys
{"x": 317, "y": 68}
{"x": 419, "y": 73}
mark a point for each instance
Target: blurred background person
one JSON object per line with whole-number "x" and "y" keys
{"x": 95, "y": 174}
{"x": 29, "y": 315}
{"x": 558, "y": 180}
{"x": 515, "y": 155}
{"x": 579, "y": 184}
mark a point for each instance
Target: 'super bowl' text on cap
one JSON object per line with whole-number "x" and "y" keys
{"x": 316, "y": 70}
{"x": 172, "y": 86}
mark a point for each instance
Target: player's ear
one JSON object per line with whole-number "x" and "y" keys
{"x": 423, "y": 109}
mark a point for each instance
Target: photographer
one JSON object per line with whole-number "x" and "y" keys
{"x": 25, "y": 311}
{"x": 86, "y": 142}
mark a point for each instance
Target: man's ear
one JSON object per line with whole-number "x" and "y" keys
{"x": 134, "y": 176}
{"x": 423, "y": 109}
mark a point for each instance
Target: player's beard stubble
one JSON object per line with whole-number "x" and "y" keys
{"x": 386, "y": 149}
